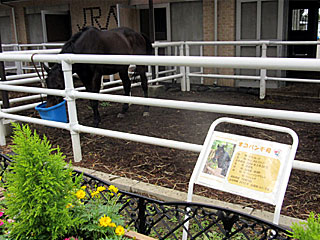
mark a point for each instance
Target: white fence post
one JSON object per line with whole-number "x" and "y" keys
{"x": 183, "y": 71}
{"x": 201, "y": 68}
{"x": 175, "y": 54}
{"x": 2, "y": 131}
{"x": 72, "y": 110}
{"x": 156, "y": 53}
{"x": 263, "y": 73}
{"x": 18, "y": 63}
{"x": 187, "y": 68}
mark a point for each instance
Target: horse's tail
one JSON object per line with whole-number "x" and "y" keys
{"x": 68, "y": 46}
{"x": 149, "y": 48}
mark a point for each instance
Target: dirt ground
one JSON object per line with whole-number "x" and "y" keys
{"x": 172, "y": 168}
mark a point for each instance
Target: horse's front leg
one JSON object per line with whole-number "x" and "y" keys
{"x": 144, "y": 85}
{"x": 127, "y": 88}
{"x": 95, "y": 88}
{"x": 92, "y": 83}
{"x": 96, "y": 115}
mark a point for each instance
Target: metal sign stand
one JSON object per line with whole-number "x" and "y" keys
{"x": 275, "y": 194}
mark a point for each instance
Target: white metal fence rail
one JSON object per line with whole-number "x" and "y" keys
{"x": 42, "y": 49}
{"x": 19, "y": 67}
{"x": 263, "y": 45}
{"x": 71, "y": 95}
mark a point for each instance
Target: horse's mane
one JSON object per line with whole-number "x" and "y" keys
{"x": 68, "y": 46}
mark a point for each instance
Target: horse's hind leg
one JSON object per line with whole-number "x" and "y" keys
{"x": 127, "y": 88}
{"x": 144, "y": 84}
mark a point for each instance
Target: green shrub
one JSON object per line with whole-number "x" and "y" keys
{"x": 39, "y": 187}
{"x": 309, "y": 230}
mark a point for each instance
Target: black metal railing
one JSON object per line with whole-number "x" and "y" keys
{"x": 167, "y": 220}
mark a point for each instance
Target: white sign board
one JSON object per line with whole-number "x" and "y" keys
{"x": 244, "y": 166}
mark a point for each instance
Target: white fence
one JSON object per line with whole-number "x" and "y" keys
{"x": 182, "y": 48}
{"x": 70, "y": 94}
{"x": 261, "y": 48}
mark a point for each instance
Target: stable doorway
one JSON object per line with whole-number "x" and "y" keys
{"x": 56, "y": 26}
{"x": 303, "y": 21}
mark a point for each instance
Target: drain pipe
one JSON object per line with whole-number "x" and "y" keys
{"x": 13, "y": 20}
{"x": 15, "y": 32}
{"x": 215, "y": 26}
{"x": 216, "y": 34}
{"x": 14, "y": 25}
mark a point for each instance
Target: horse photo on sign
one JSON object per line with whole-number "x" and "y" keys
{"x": 219, "y": 158}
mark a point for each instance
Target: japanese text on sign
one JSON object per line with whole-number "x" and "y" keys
{"x": 254, "y": 171}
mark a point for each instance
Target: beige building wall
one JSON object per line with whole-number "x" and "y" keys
{"x": 102, "y": 14}
{"x": 81, "y": 11}
{"x": 20, "y": 8}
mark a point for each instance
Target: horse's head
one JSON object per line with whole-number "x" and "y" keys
{"x": 54, "y": 80}
{"x": 219, "y": 152}
{"x": 221, "y": 156}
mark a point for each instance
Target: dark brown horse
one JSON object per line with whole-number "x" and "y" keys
{"x": 119, "y": 41}
{"x": 223, "y": 159}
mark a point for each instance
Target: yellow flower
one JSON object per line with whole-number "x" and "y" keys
{"x": 0, "y": 178}
{"x": 112, "y": 188}
{"x": 69, "y": 205}
{"x": 83, "y": 187}
{"x": 112, "y": 225}
{"x": 95, "y": 194}
{"x": 101, "y": 189}
{"x": 119, "y": 230}
{"x": 81, "y": 194}
{"x": 104, "y": 221}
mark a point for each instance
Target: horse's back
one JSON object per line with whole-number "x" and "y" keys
{"x": 121, "y": 40}
{"x": 138, "y": 43}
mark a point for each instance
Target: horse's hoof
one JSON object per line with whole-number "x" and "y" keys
{"x": 146, "y": 114}
{"x": 120, "y": 115}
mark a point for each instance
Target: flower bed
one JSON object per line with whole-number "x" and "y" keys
{"x": 94, "y": 209}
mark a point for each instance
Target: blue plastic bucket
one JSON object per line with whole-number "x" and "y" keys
{"x": 55, "y": 113}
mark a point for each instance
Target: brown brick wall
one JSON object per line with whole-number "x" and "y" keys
{"x": 208, "y": 34}
{"x": 226, "y": 32}
{"x": 208, "y": 25}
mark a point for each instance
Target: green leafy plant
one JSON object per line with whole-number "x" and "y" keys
{"x": 309, "y": 230}
{"x": 100, "y": 214}
{"x": 39, "y": 187}
{"x": 105, "y": 104}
